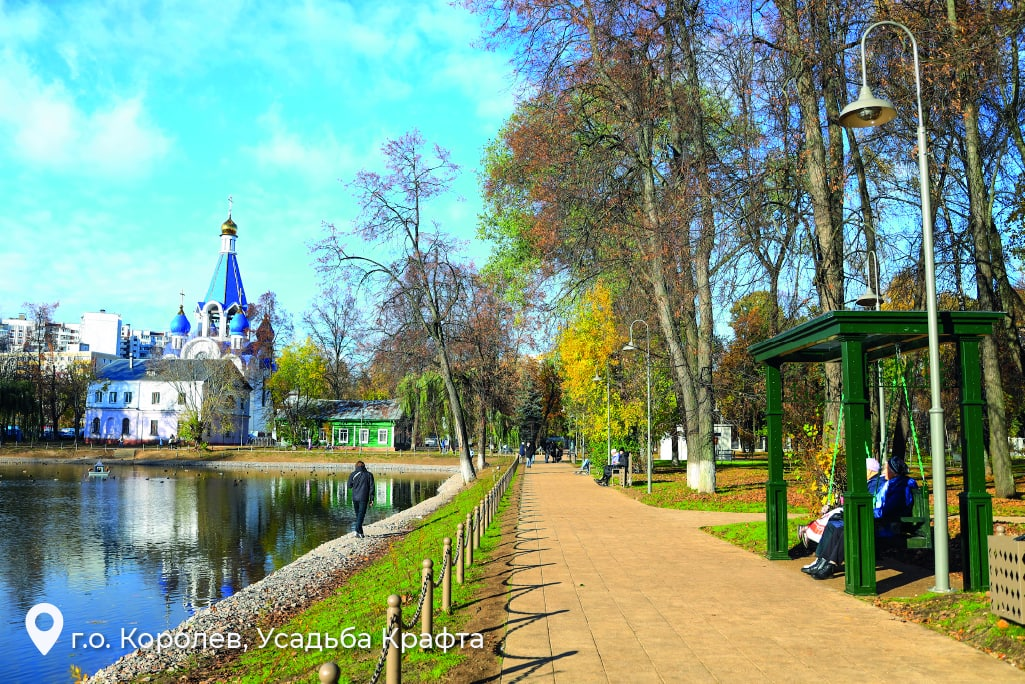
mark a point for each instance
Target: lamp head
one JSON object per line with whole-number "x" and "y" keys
{"x": 868, "y": 110}
{"x": 869, "y": 299}
{"x": 629, "y": 346}
{"x": 597, "y": 378}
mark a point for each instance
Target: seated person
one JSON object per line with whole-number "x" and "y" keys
{"x": 606, "y": 476}
{"x": 890, "y": 503}
{"x": 812, "y": 532}
{"x": 585, "y": 467}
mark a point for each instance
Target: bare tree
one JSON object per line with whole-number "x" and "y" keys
{"x": 332, "y": 321}
{"x": 421, "y": 273}
{"x": 211, "y": 392}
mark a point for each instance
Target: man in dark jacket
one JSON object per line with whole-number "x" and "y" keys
{"x": 361, "y": 488}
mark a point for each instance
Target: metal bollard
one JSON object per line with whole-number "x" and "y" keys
{"x": 427, "y": 614}
{"x": 446, "y": 576}
{"x": 393, "y": 662}
{"x": 476, "y": 527}
{"x": 329, "y": 673}
{"x": 462, "y": 554}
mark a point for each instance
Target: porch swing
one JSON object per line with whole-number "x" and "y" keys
{"x": 916, "y": 529}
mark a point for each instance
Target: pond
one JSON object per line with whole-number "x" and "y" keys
{"x": 147, "y": 546}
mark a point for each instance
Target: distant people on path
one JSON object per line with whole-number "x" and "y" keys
{"x": 892, "y": 499}
{"x": 531, "y": 452}
{"x": 361, "y": 488}
{"x": 523, "y": 451}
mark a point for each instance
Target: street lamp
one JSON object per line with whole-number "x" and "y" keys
{"x": 867, "y": 111}
{"x": 647, "y": 367}
{"x": 870, "y": 298}
{"x": 608, "y": 407}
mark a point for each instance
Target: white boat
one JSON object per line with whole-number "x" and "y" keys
{"x": 99, "y": 470}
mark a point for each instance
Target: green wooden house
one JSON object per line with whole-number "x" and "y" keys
{"x": 376, "y": 424}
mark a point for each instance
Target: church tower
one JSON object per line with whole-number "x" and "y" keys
{"x": 221, "y": 322}
{"x": 225, "y": 298}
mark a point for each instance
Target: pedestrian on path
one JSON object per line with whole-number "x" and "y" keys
{"x": 531, "y": 450}
{"x": 361, "y": 487}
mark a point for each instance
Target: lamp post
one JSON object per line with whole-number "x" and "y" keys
{"x": 867, "y": 111}
{"x": 647, "y": 368}
{"x": 869, "y": 298}
{"x": 608, "y": 408}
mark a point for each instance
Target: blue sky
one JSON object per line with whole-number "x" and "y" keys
{"x": 125, "y": 125}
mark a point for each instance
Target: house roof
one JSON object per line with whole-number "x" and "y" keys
{"x": 348, "y": 409}
{"x": 157, "y": 369}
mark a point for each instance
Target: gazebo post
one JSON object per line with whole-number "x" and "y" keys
{"x": 859, "y": 526}
{"x": 976, "y": 505}
{"x": 776, "y": 487}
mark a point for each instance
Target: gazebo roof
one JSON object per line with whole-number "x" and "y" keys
{"x": 818, "y": 340}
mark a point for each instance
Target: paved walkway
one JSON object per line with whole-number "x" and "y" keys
{"x": 605, "y": 589}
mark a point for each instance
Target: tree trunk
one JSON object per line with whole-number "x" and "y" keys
{"x": 465, "y": 461}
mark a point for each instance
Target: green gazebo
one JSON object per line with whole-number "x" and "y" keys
{"x": 854, "y": 338}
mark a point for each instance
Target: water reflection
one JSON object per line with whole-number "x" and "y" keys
{"x": 148, "y": 546}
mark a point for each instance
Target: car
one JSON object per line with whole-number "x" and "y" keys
{"x": 67, "y": 433}
{"x": 431, "y": 441}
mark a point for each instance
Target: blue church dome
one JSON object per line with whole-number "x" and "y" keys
{"x": 180, "y": 324}
{"x": 239, "y": 324}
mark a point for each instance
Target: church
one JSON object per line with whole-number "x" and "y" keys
{"x": 188, "y": 373}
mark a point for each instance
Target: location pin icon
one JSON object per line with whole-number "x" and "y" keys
{"x": 44, "y": 639}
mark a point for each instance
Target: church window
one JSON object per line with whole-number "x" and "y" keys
{"x": 382, "y": 436}
{"x": 125, "y": 426}
{"x": 154, "y": 398}
{"x": 113, "y": 397}
{"x": 96, "y": 426}
{"x": 128, "y": 397}
{"x": 98, "y": 396}
{"x": 154, "y": 428}
{"x": 364, "y": 436}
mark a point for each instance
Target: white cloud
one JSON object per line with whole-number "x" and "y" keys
{"x": 319, "y": 158}
{"x": 120, "y": 142}
{"x": 51, "y": 130}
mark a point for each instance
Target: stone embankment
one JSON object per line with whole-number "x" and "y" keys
{"x": 283, "y": 591}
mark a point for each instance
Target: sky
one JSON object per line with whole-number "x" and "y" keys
{"x": 126, "y": 125}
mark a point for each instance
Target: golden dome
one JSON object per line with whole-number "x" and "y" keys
{"x": 229, "y": 227}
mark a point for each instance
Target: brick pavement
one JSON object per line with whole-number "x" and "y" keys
{"x": 605, "y": 589}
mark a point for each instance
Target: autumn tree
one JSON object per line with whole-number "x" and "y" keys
{"x": 296, "y": 386}
{"x": 486, "y": 341}
{"x": 402, "y": 257}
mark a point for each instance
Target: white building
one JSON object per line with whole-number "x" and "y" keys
{"x": 101, "y": 331}
{"x": 143, "y": 402}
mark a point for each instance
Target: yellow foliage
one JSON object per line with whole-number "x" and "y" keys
{"x": 584, "y": 348}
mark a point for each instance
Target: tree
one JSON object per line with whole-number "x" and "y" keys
{"x": 421, "y": 277}
{"x": 296, "y": 387}
{"x": 486, "y": 338}
{"x": 210, "y": 392}
{"x": 332, "y": 321}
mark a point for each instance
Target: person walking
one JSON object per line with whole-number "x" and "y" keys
{"x": 361, "y": 488}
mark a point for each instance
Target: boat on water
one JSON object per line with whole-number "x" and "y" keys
{"x": 99, "y": 470}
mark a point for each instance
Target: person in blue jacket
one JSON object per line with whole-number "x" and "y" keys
{"x": 361, "y": 488}
{"x": 890, "y": 502}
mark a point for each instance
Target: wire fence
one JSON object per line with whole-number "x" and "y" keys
{"x": 401, "y": 635}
